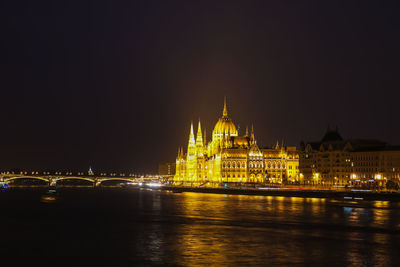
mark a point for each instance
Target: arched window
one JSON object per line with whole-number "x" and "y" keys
{"x": 251, "y": 165}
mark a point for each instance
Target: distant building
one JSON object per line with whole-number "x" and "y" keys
{"x": 166, "y": 169}
{"x": 232, "y": 158}
{"x": 90, "y": 172}
{"x": 357, "y": 162}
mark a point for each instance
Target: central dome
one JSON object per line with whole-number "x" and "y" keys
{"x": 225, "y": 125}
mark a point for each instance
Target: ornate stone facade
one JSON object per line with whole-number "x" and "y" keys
{"x": 230, "y": 158}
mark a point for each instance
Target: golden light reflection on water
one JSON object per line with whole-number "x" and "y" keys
{"x": 212, "y": 229}
{"x": 381, "y": 204}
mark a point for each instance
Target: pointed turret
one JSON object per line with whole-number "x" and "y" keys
{"x": 247, "y": 131}
{"x": 199, "y": 142}
{"x": 199, "y": 139}
{"x": 192, "y": 143}
{"x": 191, "y": 135}
{"x": 252, "y": 139}
{"x": 191, "y": 155}
{"x": 277, "y": 144}
{"x": 205, "y": 137}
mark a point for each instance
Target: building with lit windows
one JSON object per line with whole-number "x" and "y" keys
{"x": 357, "y": 162}
{"x": 230, "y": 158}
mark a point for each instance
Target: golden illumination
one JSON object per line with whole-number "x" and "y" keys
{"x": 230, "y": 158}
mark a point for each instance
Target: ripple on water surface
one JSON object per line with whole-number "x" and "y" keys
{"x": 142, "y": 227}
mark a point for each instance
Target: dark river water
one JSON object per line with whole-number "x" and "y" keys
{"x": 132, "y": 227}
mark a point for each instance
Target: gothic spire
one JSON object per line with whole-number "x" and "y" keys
{"x": 252, "y": 139}
{"x": 225, "y": 112}
{"x": 191, "y": 136}
{"x": 205, "y": 137}
{"x": 199, "y": 139}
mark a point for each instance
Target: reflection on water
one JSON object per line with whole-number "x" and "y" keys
{"x": 228, "y": 229}
{"x": 285, "y": 230}
{"x": 143, "y": 227}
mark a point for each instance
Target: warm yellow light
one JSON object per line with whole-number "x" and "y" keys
{"x": 214, "y": 161}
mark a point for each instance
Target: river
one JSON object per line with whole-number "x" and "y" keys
{"x": 132, "y": 227}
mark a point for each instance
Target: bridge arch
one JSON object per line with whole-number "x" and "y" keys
{"x": 99, "y": 181}
{"x": 73, "y": 178}
{"x": 8, "y": 179}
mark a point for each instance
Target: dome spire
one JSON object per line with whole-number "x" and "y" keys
{"x": 225, "y": 112}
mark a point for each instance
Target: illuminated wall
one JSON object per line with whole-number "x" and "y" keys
{"x": 334, "y": 161}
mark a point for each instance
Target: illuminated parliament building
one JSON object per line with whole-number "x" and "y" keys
{"x": 233, "y": 158}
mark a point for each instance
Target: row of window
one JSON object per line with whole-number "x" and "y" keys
{"x": 255, "y": 165}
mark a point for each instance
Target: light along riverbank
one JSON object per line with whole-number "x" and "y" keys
{"x": 354, "y": 194}
{"x": 350, "y": 194}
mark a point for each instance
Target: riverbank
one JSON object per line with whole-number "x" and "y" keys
{"x": 306, "y": 193}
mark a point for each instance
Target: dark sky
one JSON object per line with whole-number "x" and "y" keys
{"x": 115, "y": 84}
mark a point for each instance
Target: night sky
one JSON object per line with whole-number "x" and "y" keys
{"x": 114, "y": 85}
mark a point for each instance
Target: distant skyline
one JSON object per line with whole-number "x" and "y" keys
{"x": 115, "y": 85}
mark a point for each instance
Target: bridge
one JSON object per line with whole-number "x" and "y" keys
{"x": 52, "y": 180}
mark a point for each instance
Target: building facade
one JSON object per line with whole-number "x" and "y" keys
{"x": 358, "y": 162}
{"x": 166, "y": 169}
{"x": 232, "y": 158}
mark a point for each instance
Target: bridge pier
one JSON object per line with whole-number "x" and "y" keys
{"x": 52, "y": 182}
